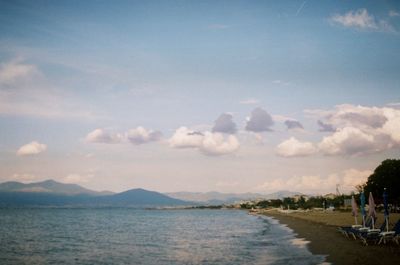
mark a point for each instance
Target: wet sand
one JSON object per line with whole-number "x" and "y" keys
{"x": 321, "y": 230}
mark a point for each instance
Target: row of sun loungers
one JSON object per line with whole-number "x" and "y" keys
{"x": 367, "y": 235}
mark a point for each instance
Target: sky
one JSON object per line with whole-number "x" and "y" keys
{"x": 228, "y": 96}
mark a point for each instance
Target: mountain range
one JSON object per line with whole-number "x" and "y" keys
{"x": 52, "y": 193}
{"x": 214, "y": 197}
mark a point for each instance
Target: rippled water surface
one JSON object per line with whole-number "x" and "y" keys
{"x": 131, "y": 236}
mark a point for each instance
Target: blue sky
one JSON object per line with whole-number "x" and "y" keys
{"x": 116, "y": 95}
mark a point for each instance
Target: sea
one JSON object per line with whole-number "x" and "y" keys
{"x": 146, "y": 236}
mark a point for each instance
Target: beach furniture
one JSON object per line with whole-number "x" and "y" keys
{"x": 393, "y": 235}
{"x": 372, "y": 235}
{"x": 354, "y": 230}
{"x": 362, "y": 232}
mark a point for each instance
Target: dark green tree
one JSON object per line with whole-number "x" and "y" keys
{"x": 386, "y": 175}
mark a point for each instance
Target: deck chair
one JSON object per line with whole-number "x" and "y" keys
{"x": 372, "y": 235}
{"x": 393, "y": 235}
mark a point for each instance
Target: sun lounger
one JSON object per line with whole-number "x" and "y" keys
{"x": 372, "y": 235}
{"x": 393, "y": 235}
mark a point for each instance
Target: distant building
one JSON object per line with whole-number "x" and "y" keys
{"x": 296, "y": 198}
{"x": 347, "y": 202}
{"x": 330, "y": 196}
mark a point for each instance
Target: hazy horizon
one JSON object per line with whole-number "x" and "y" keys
{"x": 198, "y": 96}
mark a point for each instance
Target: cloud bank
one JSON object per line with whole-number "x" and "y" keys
{"x": 135, "y": 136}
{"x": 347, "y": 181}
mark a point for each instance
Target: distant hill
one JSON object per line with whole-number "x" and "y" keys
{"x": 52, "y": 193}
{"x": 214, "y": 197}
{"x": 140, "y": 197}
{"x": 49, "y": 186}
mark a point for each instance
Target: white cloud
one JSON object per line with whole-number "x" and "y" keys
{"x": 349, "y": 140}
{"x": 102, "y": 136}
{"x": 32, "y": 148}
{"x": 359, "y": 130}
{"x": 141, "y": 135}
{"x": 208, "y": 143}
{"x": 185, "y": 138}
{"x": 392, "y": 125}
{"x": 315, "y": 184}
{"x": 135, "y": 136}
{"x": 362, "y": 20}
{"x": 293, "y": 147}
{"x": 218, "y": 144}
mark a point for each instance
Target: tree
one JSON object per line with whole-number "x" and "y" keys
{"x": 386, "y": 175}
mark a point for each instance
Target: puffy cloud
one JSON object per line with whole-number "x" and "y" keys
{"x": 140, "y": 135}
{"x": 349, "y": 115}
{"x": 208, "y": 143}
{"x": 392, "y": 125}
{"x": 293, "y": 147}
{"x": 217, "y": 144}
{"x": 135, "y": 136}
{"x": 325, "y": 127}
{"x": 102, "y": 136}
{"x": 292, "y": 124}
{"x": 349, "y": 140}
{"x": 362, "y": 20}
{"x": 259, "y": 121}
{"x": 185, "y": 138}
{"x": 347, "y": 181}
{"x": 360, "y": 130}
{"x": 32, "y": 148}
{"x": 224, "y": 124}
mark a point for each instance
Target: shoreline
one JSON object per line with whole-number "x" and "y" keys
{"x": 324, "y": 239}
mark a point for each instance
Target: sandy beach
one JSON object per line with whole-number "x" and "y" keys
{"x": 320, "y": 229}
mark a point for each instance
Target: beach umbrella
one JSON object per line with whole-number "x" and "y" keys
{"x": 385, "y": 205}
{"x": 371, "y": 210}
{"x": 354, "y": 210}
{"x": 362, "y": 206}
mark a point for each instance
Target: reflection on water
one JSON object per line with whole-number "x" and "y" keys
{"x": 131, "y": 236}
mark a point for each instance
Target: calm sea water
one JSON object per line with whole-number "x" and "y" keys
{"x": 131, "y": 236}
